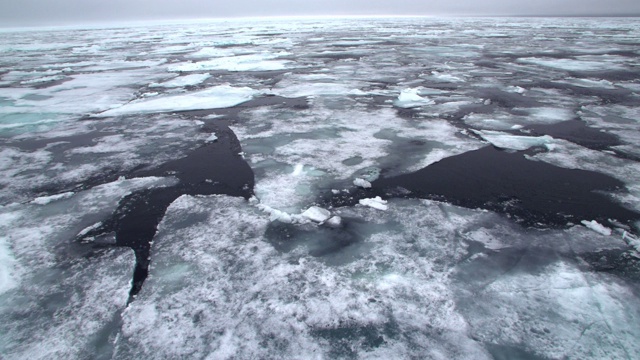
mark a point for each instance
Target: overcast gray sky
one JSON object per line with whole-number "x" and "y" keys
{"x": 45, "y": 12}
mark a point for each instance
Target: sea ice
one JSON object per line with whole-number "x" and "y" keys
{"x": 181, "y": 81}
{"x": 44, "y": 200}
{"x": 8, "y": 279}
{"x": 212, "y": 138}
{"x": 362, "y": 183}
{"x": 573, "y": 65}
{"x": 317, "y": 214}
{"x": 252, "y": 300}
{"x": 409, "y": 98}
{"x": 597, "y": 227}
{"x": 212, "y": 98}
{"x": 317, "y": 89}
{"x": 514, "y": 142}
{"x": 334, "y": 221}
{"x": 376, "y": 203}
{"x": 252, "y": 62}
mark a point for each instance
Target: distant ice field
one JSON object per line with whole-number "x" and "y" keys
{"x": 397, "y": 188}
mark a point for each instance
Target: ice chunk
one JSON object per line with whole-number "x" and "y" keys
{"x": 376, "y": 203}
{"x": 298, "y": 169}
{"x": 409, "y": 98}
{"x": 514, "y": 142}
{"x": 317, "y": 214}
{"x": 334, "y": 221}
{"x": 211, "y": 138}
{"x": 597, "y": 227}
{"x": 180, "y": 81}
{"x": 216, "y": 97}
{"x": 279, "y": 215}
{"x": 362, "y": 183}
{"x": 437, "y": 76}
{"x": 44, "y": 200}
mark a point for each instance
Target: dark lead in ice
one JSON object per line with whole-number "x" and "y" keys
{"x": 213, "y": 168}
{"x": 532, "y": 193}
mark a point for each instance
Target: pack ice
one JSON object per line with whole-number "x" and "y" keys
{"x": 321, "y": 188}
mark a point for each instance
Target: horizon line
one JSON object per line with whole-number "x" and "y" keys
{"x": 176, "y": 21}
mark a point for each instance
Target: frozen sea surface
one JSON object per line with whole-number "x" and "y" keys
{"x": 321, "y": 188}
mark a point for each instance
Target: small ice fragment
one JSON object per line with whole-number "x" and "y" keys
{"x": 274, "y": 214}
{"x": 44, "y": 200}
{"x": 212, "y": 138}
{"x": 86, "y": 230}
{"x": 316, "y": 214}
{"x": 297, "y": 170}
{"x": 362, "y": 183}
{"x": 595, "y": 226}
{"x": 487, "y": 102}
{"x": 334, "y": 221}
{"x": 335, "y": 192}
{"x": 376, "y": 203}
{"x": 409, "y": 98}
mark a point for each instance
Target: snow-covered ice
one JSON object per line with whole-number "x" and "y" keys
{"x": 514, "y": 142}
{"x": 251, "y": 62}
{"x": 221, "y": 96}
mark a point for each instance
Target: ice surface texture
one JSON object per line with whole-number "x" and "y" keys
{"x": 393, "y": 188}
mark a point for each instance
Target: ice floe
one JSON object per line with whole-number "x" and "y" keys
{"x": 251, "y": 62}
{"x": 215, "y": 97}
{"x": 514, "y": 142}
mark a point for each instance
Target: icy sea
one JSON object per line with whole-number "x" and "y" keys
{"x": 399, "y": 188}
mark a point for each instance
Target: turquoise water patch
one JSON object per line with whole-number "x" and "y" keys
{"x": 16, "y": 123}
